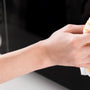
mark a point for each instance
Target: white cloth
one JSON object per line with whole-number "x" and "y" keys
{"x": 84, "y": 71}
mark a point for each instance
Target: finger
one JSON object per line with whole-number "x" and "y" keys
{"x": 86, "y": 59}
{"x": 74, "y": 29}
{"x": 86, "y": 39}
{"x": 83, "y": 40}
{"x": 83, "y": 56}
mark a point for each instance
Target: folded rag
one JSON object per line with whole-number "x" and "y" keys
{"x": 85, "y": 71}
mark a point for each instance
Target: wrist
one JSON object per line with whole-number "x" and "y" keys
{"x": 46, "y": 62}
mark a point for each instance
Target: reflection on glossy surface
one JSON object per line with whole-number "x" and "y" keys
{"x": 3, "y": 28}
{"x": 31, "y": 81}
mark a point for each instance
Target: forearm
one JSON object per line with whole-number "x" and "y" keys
{"x": 59, "y": 49}
{"x": 22, "y": 61}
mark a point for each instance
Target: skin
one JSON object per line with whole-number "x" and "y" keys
{"x": 67, "y": 46}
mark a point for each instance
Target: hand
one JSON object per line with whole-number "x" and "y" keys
{"x": 67, "y": 47}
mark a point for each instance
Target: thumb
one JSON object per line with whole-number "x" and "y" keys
{"x": 74, "y": 29}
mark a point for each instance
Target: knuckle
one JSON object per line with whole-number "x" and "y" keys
{"x": 69, "y": 25}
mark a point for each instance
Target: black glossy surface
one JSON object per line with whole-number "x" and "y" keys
{"x": 3, "y": 48}
{"x": 32, "y": 20}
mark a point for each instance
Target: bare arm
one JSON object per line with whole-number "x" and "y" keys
{"x": 22, "y": 61}
{"x": 64, "y": 47}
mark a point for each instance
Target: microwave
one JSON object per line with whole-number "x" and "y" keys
{"x": 24, "y": 22}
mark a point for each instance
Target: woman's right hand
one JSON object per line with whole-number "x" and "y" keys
{"x": 67, "y": 47}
